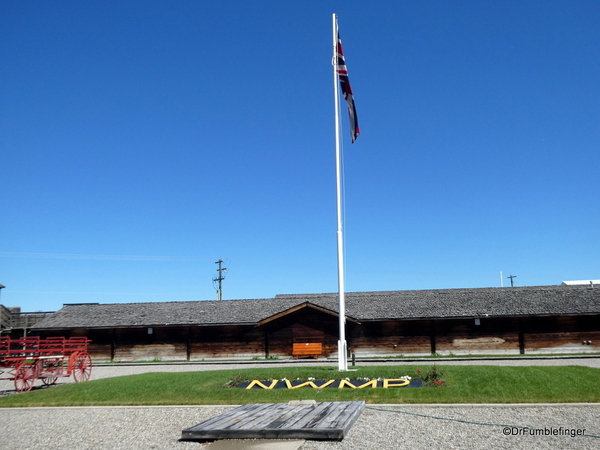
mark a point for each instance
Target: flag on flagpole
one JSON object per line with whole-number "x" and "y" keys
{"x": 342, "y": 71}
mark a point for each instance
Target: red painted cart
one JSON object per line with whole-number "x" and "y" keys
{"x": 27, "y": 359}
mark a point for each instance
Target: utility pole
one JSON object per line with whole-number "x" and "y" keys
{"x": 220, "y": 279}
{"x": 511, "y": 280}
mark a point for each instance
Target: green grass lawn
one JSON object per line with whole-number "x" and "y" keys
{"x": 462, "y": 384}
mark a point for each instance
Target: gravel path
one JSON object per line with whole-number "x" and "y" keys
{"x": 380, "y": 430}
{"x": 380, "y": 427}
{"x": 137, "y": 428}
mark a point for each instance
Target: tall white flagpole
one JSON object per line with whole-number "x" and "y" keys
{"x": 342, "y": 349}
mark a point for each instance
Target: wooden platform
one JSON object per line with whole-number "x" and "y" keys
{"x": 317, "y": 421}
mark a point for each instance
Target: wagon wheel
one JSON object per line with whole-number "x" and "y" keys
{"x": 50, "y": 367}
{"x": 49, "y": 381}
{"x": 82, "y": 367}
{"x": 25, "y": 376}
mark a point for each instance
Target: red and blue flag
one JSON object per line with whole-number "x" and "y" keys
{"x": 342, "y": 72}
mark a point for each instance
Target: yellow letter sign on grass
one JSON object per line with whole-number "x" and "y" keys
{"x": 308, "y": 383}
{"x": 258, "y": 383}
{"x": 387, "y": 383}
{"x": 391, "y": 382}
{"x": 372, "y": 383}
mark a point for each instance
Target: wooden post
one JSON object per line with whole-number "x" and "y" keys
{"x": 112, "y": 346}
{"x": 267, "y": 341}
{"x": 432, "y": 337}
{"x": 521, "y": 338}
{"x": 188, "y": 348}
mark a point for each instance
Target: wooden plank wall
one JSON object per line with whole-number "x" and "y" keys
{"x": 569, "y": 342}
{"x": 305, "y": 325}
{"x": 565, "y": 334}
{"x": 493, "y": 336}
{"x": 241, "y": 342}
{"x": 100, "y": 352}
{"x": 489, "y": 336}
{"x": 390, "y": 338}
{"x": 151, "y": 352}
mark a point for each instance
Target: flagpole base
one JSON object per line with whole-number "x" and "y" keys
{"x": 342, "y": 356}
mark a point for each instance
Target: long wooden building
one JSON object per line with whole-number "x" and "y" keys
{"x": 536, "y": 319}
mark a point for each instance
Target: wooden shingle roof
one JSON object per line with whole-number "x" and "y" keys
{"x": 361, "y": 306}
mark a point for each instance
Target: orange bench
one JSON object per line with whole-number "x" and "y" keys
{"x": 307, "y": 349}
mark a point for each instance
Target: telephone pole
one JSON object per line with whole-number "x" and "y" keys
{"x": 511, "y": 280}
{"x": 220, "y": 279}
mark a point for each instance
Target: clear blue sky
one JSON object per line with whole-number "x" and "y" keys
{"x": 141, "y": 141}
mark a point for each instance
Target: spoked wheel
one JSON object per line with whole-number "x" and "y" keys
{"x": 25, "y": 376}
{"x": 82, "y": 367}
{"x": 49, "y": 381}
{"x": 49, "y": 368}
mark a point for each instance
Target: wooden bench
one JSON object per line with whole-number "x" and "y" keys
{"x": 307, "y": 349}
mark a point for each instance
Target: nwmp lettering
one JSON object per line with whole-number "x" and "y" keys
{"x": 335, "y": 384}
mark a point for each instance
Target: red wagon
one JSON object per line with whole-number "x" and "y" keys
{"x": 27, "y": 359}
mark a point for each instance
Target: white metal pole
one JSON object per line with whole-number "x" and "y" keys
{"x": 342, "y": 352}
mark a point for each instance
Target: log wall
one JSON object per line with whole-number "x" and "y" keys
{"x": 484, "y": 336}
{"x": 390, "y": 338}
{"x": 539, "y": 335}
{"x": 151, "y": 352}
{"x": 231, "y": 342}
{"x": 562, "y": 334}
{"x": 305, "y": 325}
